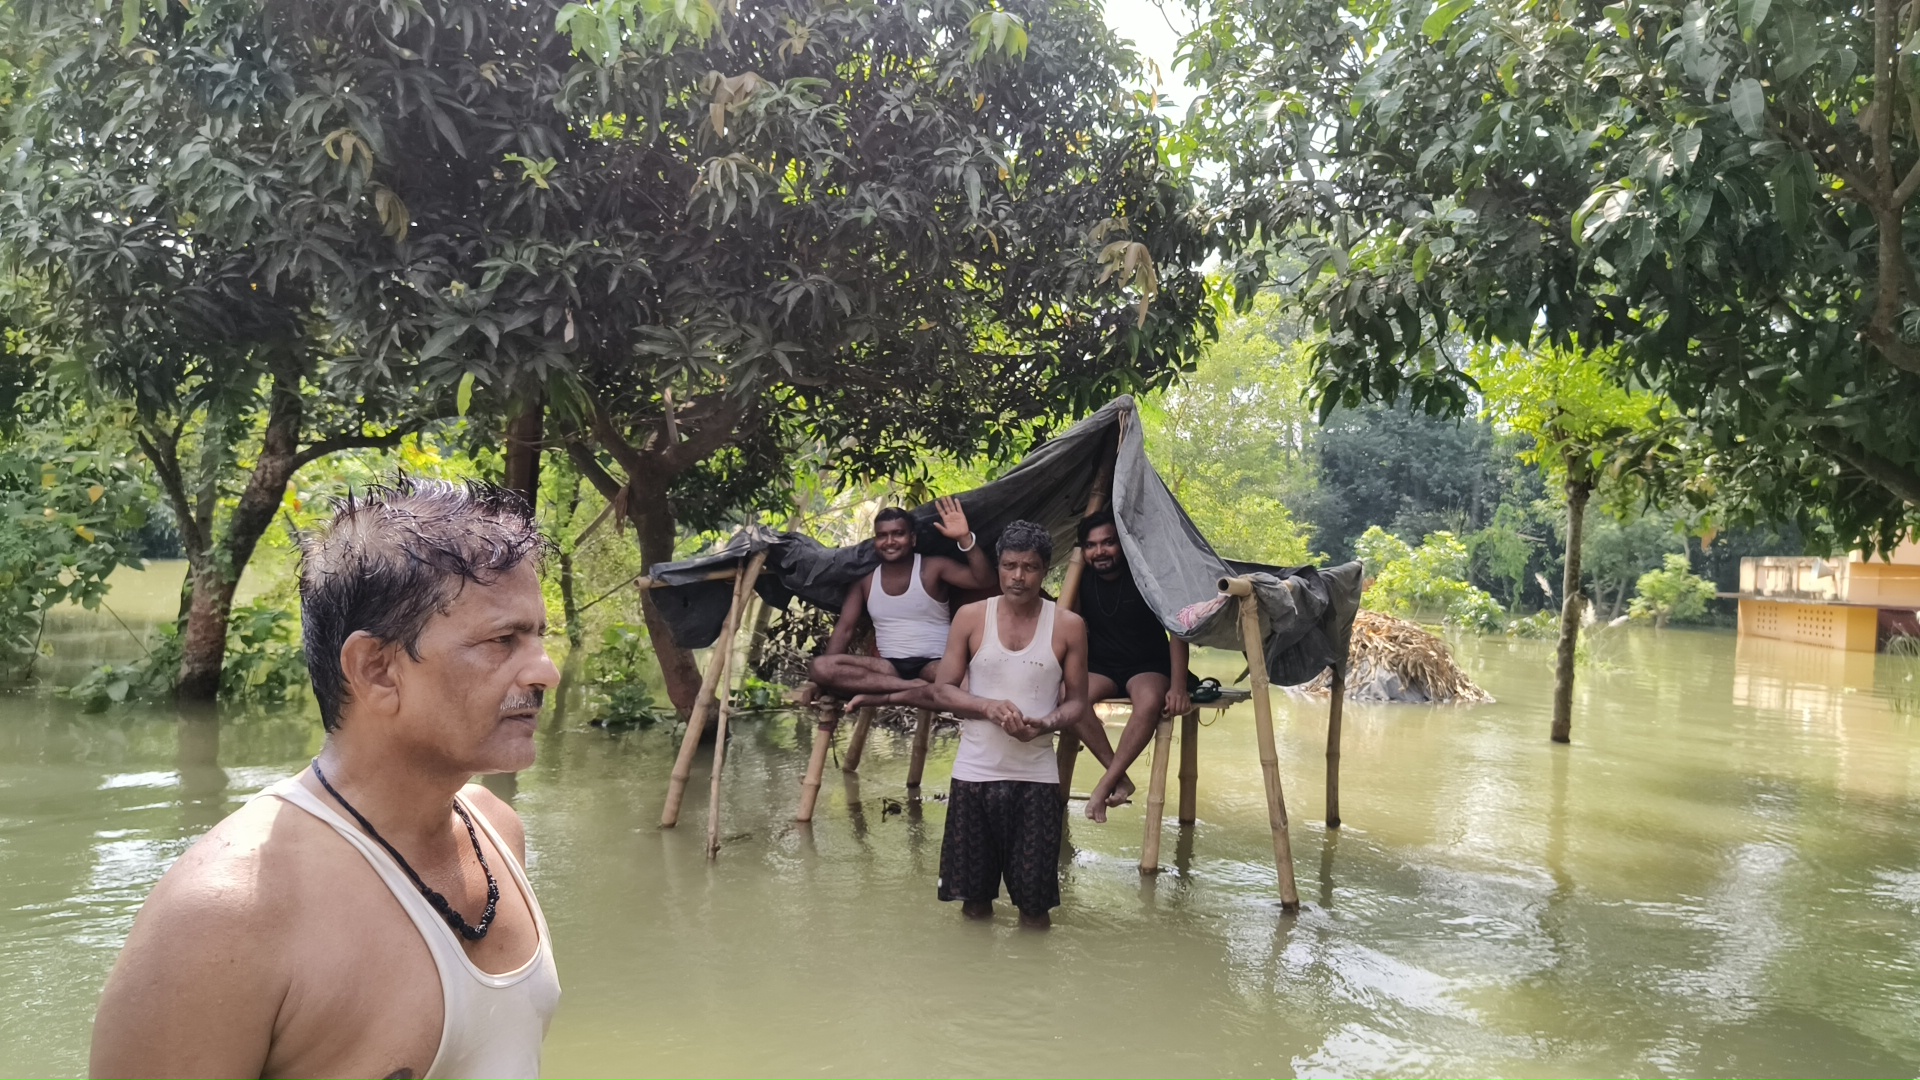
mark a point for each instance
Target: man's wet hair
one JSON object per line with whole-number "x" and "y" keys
{"x": 1026, "y": 536}
{"x": 893, "y": 513}
{"x": 1093, "y": 521}
{"x": 396, "y": 555}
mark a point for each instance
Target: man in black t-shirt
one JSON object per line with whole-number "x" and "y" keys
{"x": 1129, "y": 654}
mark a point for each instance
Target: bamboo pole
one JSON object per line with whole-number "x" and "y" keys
{"x": 702, "y": 702}
{"x": 1335, "y": 700}
{"x": 857, "y": 740}
{"x": 1189, "y": 765}
{"x": 1263, "y": 728}
{"x": 816, "y": 765}
{"x": 922, "y": 734}
{"x": 1156, "y": 795}
{"x": 719, "y": 752}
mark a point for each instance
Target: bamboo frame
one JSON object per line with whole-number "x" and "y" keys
{"x": 1156, "y": 796}
{"x": 816, "y": 763}
{"x": 703, "y": 701}
{"x": 1263, "y": 728}
{"x": 1336, "y": 699}
{"x": 922, "y": 736}
{"x": 857, "y": 740}
{"x": 720, "y": 737}
{"x": 1189, "y": 765}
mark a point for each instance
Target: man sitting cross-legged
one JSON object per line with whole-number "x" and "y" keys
{"x": 1128, "y": 654}
{"x": 906, "y": 596}
{"x": 1025, "y": 662}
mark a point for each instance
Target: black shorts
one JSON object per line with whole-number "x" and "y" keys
{"x": 910, "y": 667}
{"x": 1002, "y": 829}
{"x": 1121, "y": 671}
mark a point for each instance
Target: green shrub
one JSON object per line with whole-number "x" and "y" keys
{"x": 265, "y": 663}
{"x": 1671, "y": 593}
{"x": 624, "y": 700}
{"x": 1430, "y": 580}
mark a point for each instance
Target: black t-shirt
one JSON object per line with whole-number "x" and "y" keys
{"x": 1123, "y": 633}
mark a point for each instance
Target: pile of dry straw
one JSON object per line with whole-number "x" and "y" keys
{"x": 1396, "y": 660}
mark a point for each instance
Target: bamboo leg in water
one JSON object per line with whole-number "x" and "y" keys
{"x": 703, "y": 702}
{"x": 1189, "y": 765}
{"x": 857, "y": 740}
{"x": 1156, "y": 795}
{"x": 1263, "y": 728}
{"x": 922, "y": 733}
{"x": 1335, "y": 698}
{"x": 719, "y": 756}
{"x": 816, "y": 765}
{"x": 1065, "y": 757}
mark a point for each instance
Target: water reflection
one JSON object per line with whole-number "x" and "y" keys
{"x": 1720, "y": 877}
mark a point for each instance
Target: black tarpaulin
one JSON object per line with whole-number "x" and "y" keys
{"x": 1306, "y": 613}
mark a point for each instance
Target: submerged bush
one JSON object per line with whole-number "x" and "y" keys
{"x": 1428, "y": 580}
{"x": 624, "y": 699}
{"x": 1671, "y": 593}
{"x": 265, "y": 663}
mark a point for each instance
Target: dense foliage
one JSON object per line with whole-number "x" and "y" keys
{"x": 1720, "y": 190}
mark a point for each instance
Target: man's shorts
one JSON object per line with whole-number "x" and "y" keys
{"x": 1122, "y": 673}
{"x": 1002, "y": 829}
{"x": 910, "y": 667}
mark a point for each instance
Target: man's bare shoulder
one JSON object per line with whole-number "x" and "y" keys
{"x": 973, "y": 613}
{"x": 501, "y": 815}
{"x": 1069, "y": 621}
{"x": 245, "y": 869}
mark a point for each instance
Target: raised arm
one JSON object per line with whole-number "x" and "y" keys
{"x": 851, "y": 608}
{"x": 976, "y": 573}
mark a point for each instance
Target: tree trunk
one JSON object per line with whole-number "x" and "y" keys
{"x": 657, "y": 531}
{"x": 1577, "y": 492}
{"x": 204, "y": 645}
{"x": 523, "y": 448}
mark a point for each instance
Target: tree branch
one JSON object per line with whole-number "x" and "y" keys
{"x": 358, "y": 441}
{"x": 162, "y": 451}
{"x": 1902, "y": 481}
{"x": 590, "y": 467}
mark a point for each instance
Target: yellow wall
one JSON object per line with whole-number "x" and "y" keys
{"x": 1851, "y": 628}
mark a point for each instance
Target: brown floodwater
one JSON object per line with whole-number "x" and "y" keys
{"x": 1720, "y": 877}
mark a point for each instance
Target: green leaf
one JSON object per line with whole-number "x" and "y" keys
{"x": 129, "y": 20}
{"x": 1422, "y": 259}
{"x": 1751, "y": 13}
{"x": 1507, "y": 80}
{"x": 463, "y": 398}
{"x": 1749, "y": 104}
{"x": 1617, "y": 15}
{"x": 1436, "y": 24}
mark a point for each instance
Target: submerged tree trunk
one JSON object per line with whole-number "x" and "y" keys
{"x": 677, "y": 667}
{"x": 1570, "y": 607}
{"x": 203, "y": 648}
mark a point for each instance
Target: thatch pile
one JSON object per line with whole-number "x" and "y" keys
{"x": 1396, "y": 660}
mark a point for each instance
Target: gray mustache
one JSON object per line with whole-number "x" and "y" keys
{"x": 523, "y": 704}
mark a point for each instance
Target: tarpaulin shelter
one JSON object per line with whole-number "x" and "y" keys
{"x": 1297, "y": 620}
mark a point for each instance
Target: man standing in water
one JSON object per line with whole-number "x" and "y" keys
{"x": 369, "y": 916}
{"x": 1129, "y": 654}
{"x": 907, "y": 597}
{"x": 1025, "y": 662}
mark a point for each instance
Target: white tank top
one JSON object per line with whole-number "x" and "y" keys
{"x": 1030, "y": 679}
{"x": 492, "y": 1024}
{"x": 912, "y": 624}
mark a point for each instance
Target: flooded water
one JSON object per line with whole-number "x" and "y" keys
{"x": 1721, "y": 877}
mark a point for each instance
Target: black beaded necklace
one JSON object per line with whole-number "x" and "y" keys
{"x": 438, "y": 902}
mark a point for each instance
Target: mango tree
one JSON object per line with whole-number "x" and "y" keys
{"x": 1720, "y": 189}
{"x": 704, "y": 240}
